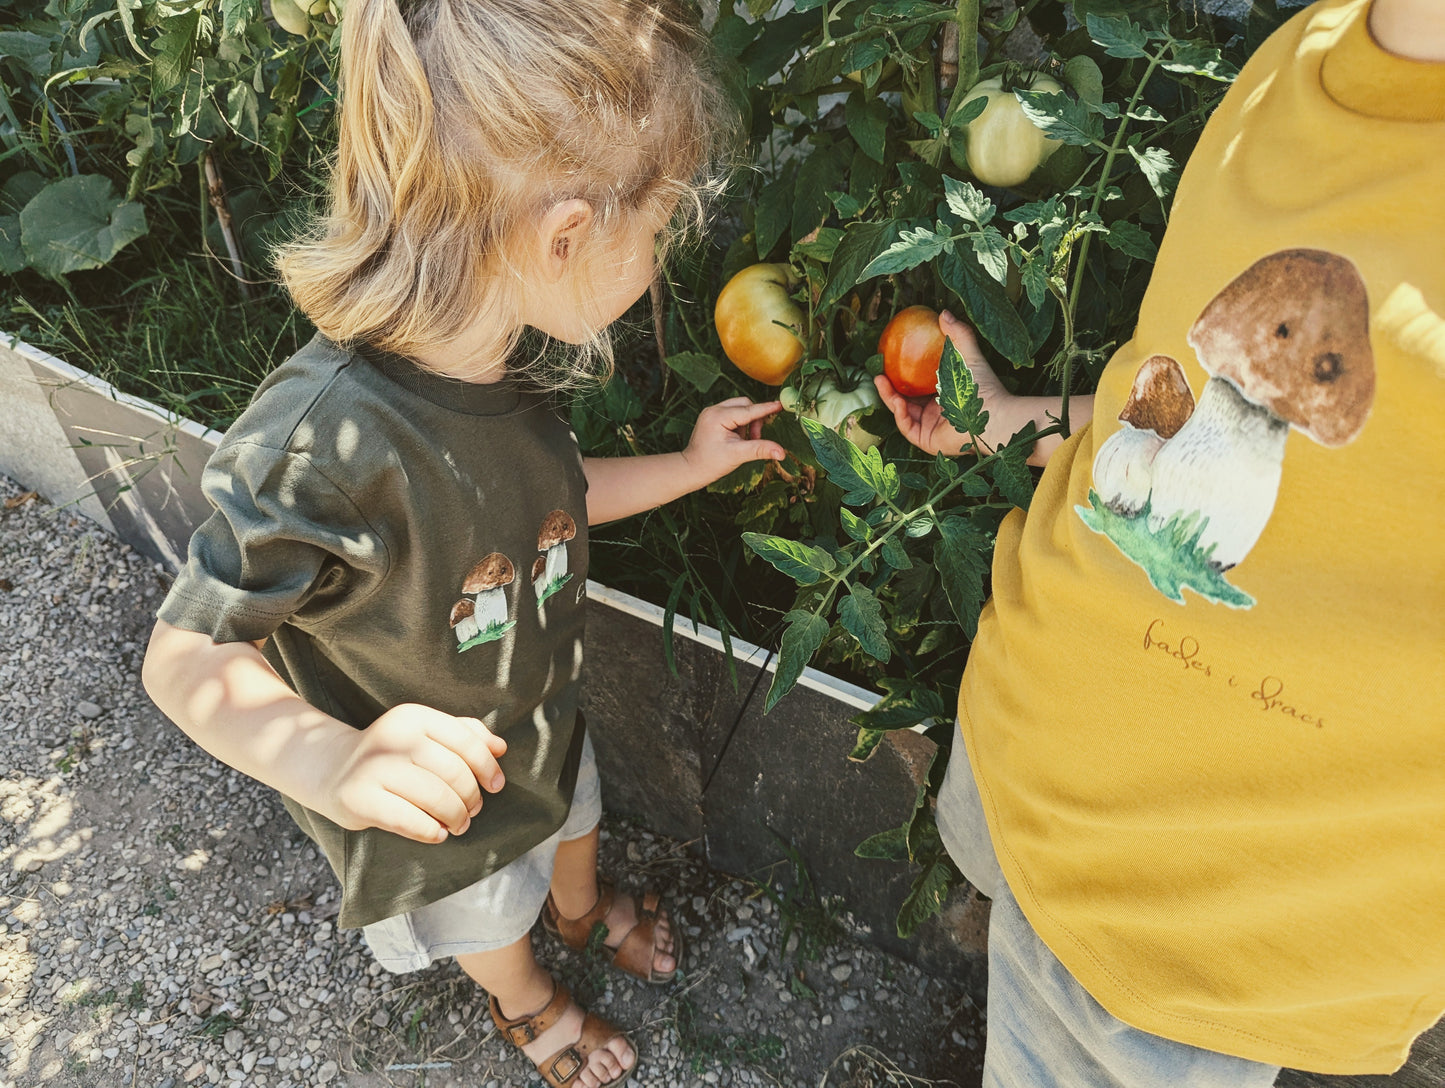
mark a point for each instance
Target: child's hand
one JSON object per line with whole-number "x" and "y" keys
{"x": 727, "y": 435}
{"x": 920, "y": 419}
{"x": 414, "y": 771}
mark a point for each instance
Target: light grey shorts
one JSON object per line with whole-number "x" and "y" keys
{"x": 497, "y": 910}
{"x": 1044, "y": 1030}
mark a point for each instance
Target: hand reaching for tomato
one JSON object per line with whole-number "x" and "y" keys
{"x": 920, "y": 419}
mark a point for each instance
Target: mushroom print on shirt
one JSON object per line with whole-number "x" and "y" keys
{"x": 1185, "y": 490}
{"x": 481, "y": 615}
{"x": 549, "y": 572}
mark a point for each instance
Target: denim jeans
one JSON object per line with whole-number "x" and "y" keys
{"x": 1044, "y": 1030}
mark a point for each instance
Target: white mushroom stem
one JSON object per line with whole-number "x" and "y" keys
{"x": 556, "y": 563}
{"x": 1124, "y": 469}
{"x": 539, "y": 583}
{"x": 466, "y": 628}
{"x": 491, "y": 608}
{"x": 1224, "y": 465}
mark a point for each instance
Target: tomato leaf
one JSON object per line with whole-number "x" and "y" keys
{"x": 958, "y": 393}
{"x": 967, "y": 202}
{"x": 1062, "y": 118}
{"x": 1199, "y": 59}
{"x": 961, "y": 557}
{"x": 1119, "y": 37}
{"x": 861, "y": 243}
{"x": 1011, "y": 472}
{"x": 1157, "y": 166}
{"x": 1131, "y": 240}
{"x": 698, "y": 370}
{"x": 801, "y": 640}
{"x": 855, "y": 526}
{"x": 842, "y": 460}
{"x": 801, "y": 562}
{"x": 987, "y": 306}
{"x": 867, "y": 123}
{"x": 819, "y": 173}
{"x": 991, "y": 250}
{"x": 774, "y": 209}
{"x": 861, "y": 615}
{"x": 913, "y": 248}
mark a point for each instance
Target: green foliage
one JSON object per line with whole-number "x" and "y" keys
{"x": 105, "y": 107}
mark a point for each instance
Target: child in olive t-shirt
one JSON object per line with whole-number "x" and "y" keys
{"x": 1200, "y": 767}
{"x": 383, "y": 618}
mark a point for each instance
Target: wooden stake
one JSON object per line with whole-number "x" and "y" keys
{"x": 216, "y": 191}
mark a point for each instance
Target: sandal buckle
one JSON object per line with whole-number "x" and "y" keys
{"x": 570, "y": 1054}
{"x": 521, "y": 1034}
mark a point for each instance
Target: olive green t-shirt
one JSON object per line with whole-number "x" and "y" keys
{"x": 402, "y": 537}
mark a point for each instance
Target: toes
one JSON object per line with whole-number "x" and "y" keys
{"x": 621, "y": 1052}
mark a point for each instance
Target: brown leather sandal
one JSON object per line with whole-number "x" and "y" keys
{"x": 636, "y": 953}
{"x": 563, "y": 1067}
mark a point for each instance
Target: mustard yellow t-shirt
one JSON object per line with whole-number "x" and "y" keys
{"x": 1206, "y": 706}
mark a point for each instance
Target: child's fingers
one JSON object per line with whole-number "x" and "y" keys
{"x": 467, "y": 739}
{"x": 432, "y": 794}
{"x": 737, "y": 415}
{"x": 763, "y": 451}
{"x": 389, "y": 812}
{"x": 452, "y": 769}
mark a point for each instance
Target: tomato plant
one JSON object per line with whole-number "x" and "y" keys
{"x": 758, "y": 324}
{"x": 907, "y": 156}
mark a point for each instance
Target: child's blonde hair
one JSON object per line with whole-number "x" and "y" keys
{"x": 462, "y": 121}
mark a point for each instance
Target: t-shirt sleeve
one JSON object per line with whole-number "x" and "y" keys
{"x": 284, "y": 543}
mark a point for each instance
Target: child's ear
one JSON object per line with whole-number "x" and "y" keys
{"x": 564, "y": 226}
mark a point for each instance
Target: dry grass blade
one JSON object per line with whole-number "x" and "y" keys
{"x": 862, "y": 1066}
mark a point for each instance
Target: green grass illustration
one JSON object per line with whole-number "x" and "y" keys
{"x": 1171, "y": 557}
{"x": 552, "y": 587}
{"x": 490, "y": 633}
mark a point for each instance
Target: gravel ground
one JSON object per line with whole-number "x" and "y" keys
{"x": 163, "y": 923}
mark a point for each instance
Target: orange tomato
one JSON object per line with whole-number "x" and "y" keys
{"x": 759, "y": 325}
{"x": 912, "y": 345}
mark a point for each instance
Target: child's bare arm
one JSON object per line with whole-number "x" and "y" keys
{"x": 726, "y": 436}
{"x": 414, "y": 771}
{"x": 921, "y": 420}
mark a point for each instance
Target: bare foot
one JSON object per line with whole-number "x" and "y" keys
{"x": 603, "y": 1066}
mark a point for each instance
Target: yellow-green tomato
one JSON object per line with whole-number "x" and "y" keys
{"x": 1004, "y": 146}
{"x": 292, "y": 16}
{"x": 837, "y": 409}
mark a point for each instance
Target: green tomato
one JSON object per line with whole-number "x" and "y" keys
{"x": 837, "y": 409}
{"x": 1003, "y": 146}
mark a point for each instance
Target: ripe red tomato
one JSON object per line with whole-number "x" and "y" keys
{"x": 912, "y": 345}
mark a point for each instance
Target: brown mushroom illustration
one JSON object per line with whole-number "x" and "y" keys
{"x": 557, "y": 528}
{"x": 1159, "y": 404}
{"x": 485, "y": 584}
{"x": 1287, "y": 345}
{"x": 463, "y": 619}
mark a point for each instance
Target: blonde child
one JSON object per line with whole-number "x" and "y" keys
{"x": 1200, "y": 770}
{"x": 382, "y": 620}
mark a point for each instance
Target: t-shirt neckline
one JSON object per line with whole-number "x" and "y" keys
{"x": 472, "y": 398}
{"x": 1363, "y": 77}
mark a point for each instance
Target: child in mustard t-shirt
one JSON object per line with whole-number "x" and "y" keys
{"x": 401, "y": 513}
{"x": 1201, "y": 770}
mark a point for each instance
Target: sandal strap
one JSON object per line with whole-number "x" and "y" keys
{"x": 525, "y": 1029}
{"x": 576, "y": 932}
{"x": 637, "y": 951}
{"x": 563, "y": 1066}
